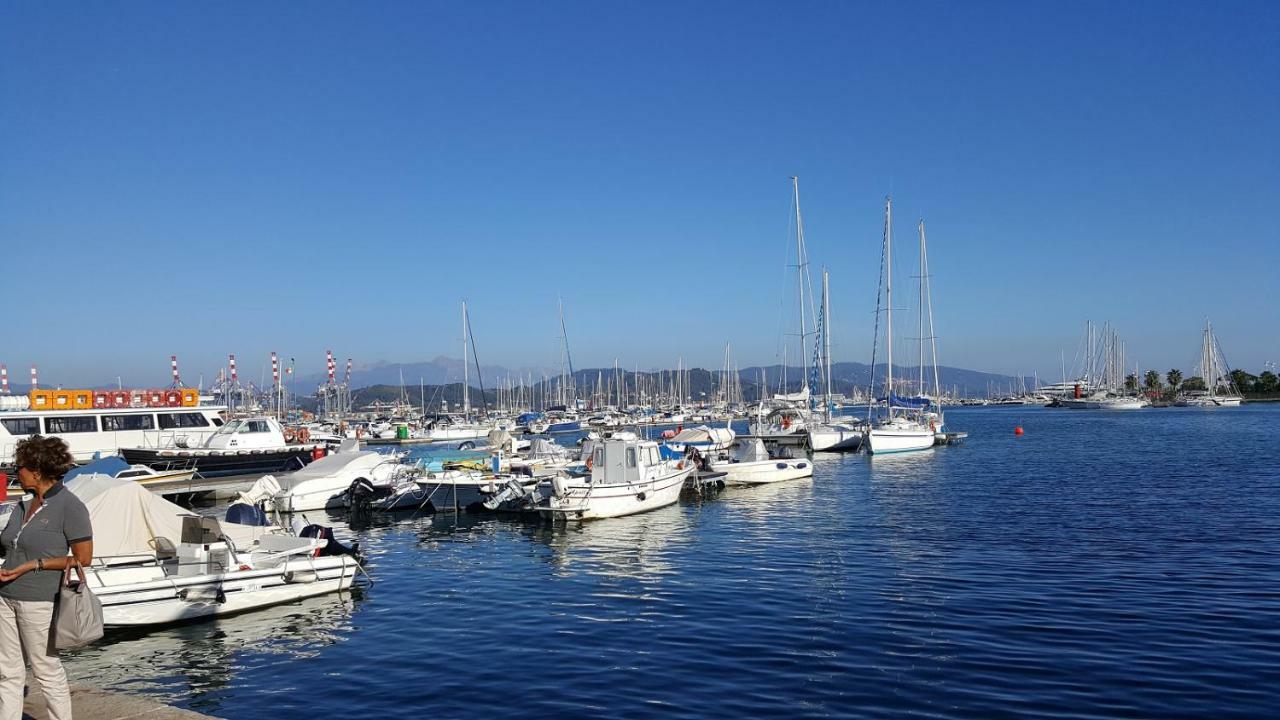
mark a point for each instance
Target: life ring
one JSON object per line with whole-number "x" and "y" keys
{"x": 932, "y": 427}
{"x": 680, "y": 465}
{"x": 304, "y": 435}
{"x": 589, "y": 463}
{"x": 289, "y": 435}
{"x": 786, "y": 422}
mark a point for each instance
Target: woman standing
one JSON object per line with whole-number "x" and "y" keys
{"x": 40, "y": 533}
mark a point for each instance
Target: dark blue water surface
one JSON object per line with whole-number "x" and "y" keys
{"x": 1119, "y": 564}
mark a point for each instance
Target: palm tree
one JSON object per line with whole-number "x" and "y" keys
{"x": 1174, "y": 377}
{"x": 1151, "y": 381}
{"x": 1131, "y": 383}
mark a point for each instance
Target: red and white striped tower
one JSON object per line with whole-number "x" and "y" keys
{"x": 4, "y": 379}
{"x": 275, "y": 370}
{"x": 347, "y": 380}
{"x": 235, "y": 378}
{"x": 35, "y": 379}
{"x": 173, "y": 362}
{"x": 329, "y": 359}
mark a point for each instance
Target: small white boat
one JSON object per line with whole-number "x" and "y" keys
{"x": 749, "y": 463}
{"x": 149, "y": 476}
{"x": 156, "y": 562}
{"x": 627, "y": 476}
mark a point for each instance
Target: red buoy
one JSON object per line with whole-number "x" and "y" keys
{"x": 1017, "y": 430}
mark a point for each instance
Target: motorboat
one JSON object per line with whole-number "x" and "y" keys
{"x": 786, "y": 420}
{"x": 240, "y": 447}
{"x": 836, "y": 436}
{"x": 749, "y": 463}
{"x": 627, "y": 476}
{"x": 324, "y": 483}
{"x": 157, "y": 563}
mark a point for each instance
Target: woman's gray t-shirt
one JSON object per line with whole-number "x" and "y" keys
{"x": 62, "y": 521}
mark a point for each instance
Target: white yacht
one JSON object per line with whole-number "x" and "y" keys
{"x": 1220, "y": 389}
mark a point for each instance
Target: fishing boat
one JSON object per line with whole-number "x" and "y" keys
{"x": 158, "y": 563}
{"x": 749, "y": 463}
{"x": 241, "y": 447}
{"x": 1220, "y": 390}
{"x": 909, "y": 424}
{"x": 627, "y": 476}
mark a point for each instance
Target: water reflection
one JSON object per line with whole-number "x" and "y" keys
{"x": 198, "y": 659}
{"x": 637, "y": 546}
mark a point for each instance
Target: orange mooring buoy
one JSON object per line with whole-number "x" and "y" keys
{"x": 1017, "y": 430}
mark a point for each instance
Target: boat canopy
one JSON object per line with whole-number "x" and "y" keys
{"x": 129, "y": 520}
{"x": 751, "y": 450}
{"x": 909, "y": 402}
{"x": 529, "y": 417}
{"x": 702, "y": 434}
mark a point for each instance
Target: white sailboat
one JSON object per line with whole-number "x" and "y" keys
{"x": 1220, "y": 389}
{"x": 450, "y": 428}
{"x": 827, "y": 435}
{"x": 907, "y": 426}
{"x": 791, "y": 414}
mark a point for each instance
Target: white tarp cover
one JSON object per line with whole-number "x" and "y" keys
{"x": 332, "y": 465}
{"x": 126, "y": 517}
{"x": 750, "y": 451}
{"x": 703, "y": 434}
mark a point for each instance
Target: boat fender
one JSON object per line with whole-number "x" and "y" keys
{"x": 304, "y": 576}
{"x": 640, "y": 497}
{"x": 558, "y": 487}
{"x": 782, "y": 466}
{"x": 589, "y": 463}
{"x": 801, "y": 466}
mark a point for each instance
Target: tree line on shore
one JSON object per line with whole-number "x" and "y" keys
{"x": 1264, "y": 384}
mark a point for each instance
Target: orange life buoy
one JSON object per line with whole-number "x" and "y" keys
{"x": 289, "y": 435}
{"x": 304, "y": 435}
{"x": 589, "y": 463}
{"x": 786, "y": 422}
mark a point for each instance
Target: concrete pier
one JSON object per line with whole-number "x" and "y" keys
{"x": 90, "y": 703}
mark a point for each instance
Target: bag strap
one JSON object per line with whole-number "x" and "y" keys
{"x": 66, "y": 573}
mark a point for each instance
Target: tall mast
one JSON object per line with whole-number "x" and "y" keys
{"x": 928, "y": 299}
{"x": 466, "y": 379}
{"x": 826, "y": 345}
{"x": 920, "y": 312}
{"x": 888, "y": 295}
{"x": 800, "y": 266}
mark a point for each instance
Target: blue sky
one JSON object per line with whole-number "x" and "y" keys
{"x": 247, "y": 177}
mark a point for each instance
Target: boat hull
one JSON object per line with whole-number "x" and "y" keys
{"x": 881, "y": 441}
{"x": 585, "y": 502}
{"x": 177, "y": 598}
{"x": 213, "y": 463}
{"x": 835, "y": 440}
{"x": 761, "y": 472}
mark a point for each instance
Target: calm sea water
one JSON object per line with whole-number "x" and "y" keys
{"x": 1102, "y": 565}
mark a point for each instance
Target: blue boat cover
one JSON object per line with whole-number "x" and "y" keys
{"x": 909, "y": 402}
{"x": 108, "y": 466}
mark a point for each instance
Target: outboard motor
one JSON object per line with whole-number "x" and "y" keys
{"x": 360, "y": 497}
{"x": 332, "y": 546}
{"x": 246, "y": 514}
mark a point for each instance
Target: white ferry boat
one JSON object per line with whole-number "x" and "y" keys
{"x": 102, "y": 422}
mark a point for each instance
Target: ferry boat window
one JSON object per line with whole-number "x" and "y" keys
{"x": 169, "y": 421}
{"x": 70, "y": 424}
{"x": 22, "y": 426}
{"x": 257, "y": 426}
{"x": 631, "y": 457}
{"x": 116, "y": 423}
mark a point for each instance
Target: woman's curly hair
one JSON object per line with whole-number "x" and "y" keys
{"x": 48, "y": 456}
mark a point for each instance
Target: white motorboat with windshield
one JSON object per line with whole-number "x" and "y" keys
{"x": 155, "y": 562}
{"x": 709, "y": 441}
{"x": 749, "y": 463}
{"x": 242, "y": 446}
{"x": 627, "y": 476}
